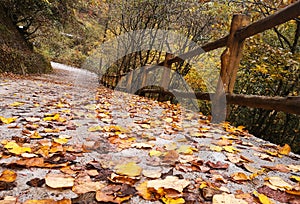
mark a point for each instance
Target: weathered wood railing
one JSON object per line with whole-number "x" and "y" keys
{"x": 230, "y": 60}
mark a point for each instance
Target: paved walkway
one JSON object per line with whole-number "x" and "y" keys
{"x": 112, "y": 128}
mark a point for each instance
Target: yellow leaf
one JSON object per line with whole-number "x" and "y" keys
{"x": 239, "y": 176}
{"x": 297, "y": 178}
{"x": 197, "y": 134}
{"x": 186, "y": 149}
{"x": 215, "y": 148}
{"x": 66, "y": 111}
{"x": 35, "y": 135}
{"x": 15, "y": 104}
{"x": 8, "y": 176}
{"x": 173, "y": 200}
{"x": 61, "y": 140}
{"x": 48, "y": 201}
{"x": 130, "y": 169}
{"x": 7, "y": 120}
{"x": 155, "y": 153}
{"x": 52, "y": 118}
{"x": 95, "y": 128}
{"x": 14, "y": 148}
{"x": 230, "y": 149}
{"x": 285, "y": 150}
{"x": 143, "y": 191}
{"x": 203, "y": 185}
{"x": 262, "y": 198}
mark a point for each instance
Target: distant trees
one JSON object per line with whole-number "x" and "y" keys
{"x": 189, "y": 18}
{"x": 271, "y": 67}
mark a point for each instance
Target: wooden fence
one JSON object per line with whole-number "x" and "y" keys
{"x": 230, "y": 60}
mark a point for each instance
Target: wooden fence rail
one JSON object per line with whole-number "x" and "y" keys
{"x": 230, "y": 60}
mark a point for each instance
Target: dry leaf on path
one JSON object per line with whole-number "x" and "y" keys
{"x": 170, "y": 182}
{"x": 59, "y": 181}
{"x": 8, "y": 176}
{"x": 130, "y": 169}
{"x": 227, "y": 199}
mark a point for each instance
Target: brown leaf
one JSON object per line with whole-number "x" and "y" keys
{"x": 111, "y": 194}
{"x": 278, "y": 167}
{"x": 217, "y": 165}
{"x": 278, "y": 195}
{"x": 36, "y": 182}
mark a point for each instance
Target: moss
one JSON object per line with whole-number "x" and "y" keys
{"x": 22, "y": 62}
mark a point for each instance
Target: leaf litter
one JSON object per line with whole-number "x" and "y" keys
{"x": 60, "y": 145}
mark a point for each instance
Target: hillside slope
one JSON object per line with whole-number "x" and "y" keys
{"x": 15, "y": 54}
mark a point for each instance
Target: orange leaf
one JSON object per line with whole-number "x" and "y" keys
{"x": 8, "y": 176}
{"x": 285, "y": 150}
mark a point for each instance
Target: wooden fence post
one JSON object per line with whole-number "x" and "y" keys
{"x": 165, "y": 80}
{"x": 230, "y": 61}
{"x": 129, "y": 81}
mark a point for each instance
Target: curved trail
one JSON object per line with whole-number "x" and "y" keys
{"x": 92, "y": 116}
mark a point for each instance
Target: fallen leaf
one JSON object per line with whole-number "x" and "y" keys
{"x": 152, "y": 173}
{"x": 48, "y": 201}
{"x": 7, "y": 120}
{"x": 95, "y": 128}
{"x": 88, "y": 186}
{"x": 36, "y": 182}
{"x": 129, "y": 169}
{"x": 142, "y": 145}
{"x": 170, "y": 182}
{"x": 239, "y": 176}
{"x": 155, "y": 153}
{"x": 186, "y": 149}
{"x": 173, "y": 200}
{"x": 278, "y": 167}
{"x": 14, "y": 148}
{"x": 279, "y": 182}
{"x": 225, "y": 198}
{"x": 295, "y": 178}
{"x": 294, "y": 168}
{"x": 60, "y": 140}
{"x": 147, "y": 193}
{"x": 8, "y": 176}
{"x": 262, "y": 198}
{"x": 59, "y": 181}
{"x": 35, "y": 135}
{"x": 170, "y": 146}
{"x": 285, "y": 150}
{"x": 215, "y": 148}
{"x": 217, "y": 165}
{"x": 230, "y": 149}
{"x": 16, "y": 104}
